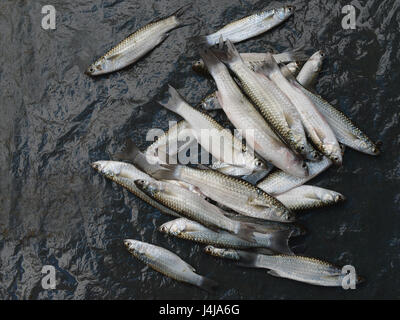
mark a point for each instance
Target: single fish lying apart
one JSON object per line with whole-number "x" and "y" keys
{"x": 270, "y": 238}
{"x": 279, "y": 181}
{"x": 309, "y": 197}
{"x": 234, "y": 193}
{"x": 299, "y": 268}
{"x": 248, "y": 27}
{"x": 136, "y": 45}
{"x": 168, "y": 263}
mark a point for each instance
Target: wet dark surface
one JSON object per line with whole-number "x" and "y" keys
{"x": 56, "y": 210}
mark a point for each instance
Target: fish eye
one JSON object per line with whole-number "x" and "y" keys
{"x": 302, "y": 148}
{"x": 336, "y": 158}
{"x": 258, "y": 163}
{"x": 304, "y": 165}
{"x": 322, "y": 54}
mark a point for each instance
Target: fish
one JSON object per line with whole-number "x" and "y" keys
{"x": 136, "y": 45}
{"x": 310, "y": 71}
{"x": 316, "y": 126}
{"x": 309, "y": 197}
{"x": 248, "y": 27}
{"x": 210, "y": 102}
{"x": 207, "y": 129}
{"x": 225, "y": 253}
{"x": 168, "y": 263}
{"x": 275, "y": 107}
{"x": 177, "y": 139}
{"x": 245, "y": 117}
{"x": 234, "y": 193}
{"x": 304, "y": 269}
{"x": 256, "y": 59}
{"x": 191, "y": 205}
{"x": 344, "y": 129}
{"x": 274, "y": 240}
{"x": 278, "y": 182}
{"x": 125, "y": 175}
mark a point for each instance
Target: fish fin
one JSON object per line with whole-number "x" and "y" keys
{"x": 229, "y": 54}
{"x": 246, "y": 232}
{"x": 167, "y": 172}
{"x": 208, "y": 285}
{"x": 297, "y": 54}
{"x": 219, "y": 98}
{"x": 279, "y": 241}
{"x": 269, "y": 66}
{"x": 254, "y": 201}
{"x": 114, "y": 56}
{"x": 129, "y": 153}
{"x": 200, "y": 41}
{"x": 133, "y": 154}
{"x": 275, "y": 273}
{"x": 288, "y": 75}
{"x": 247, "y": 259}
{"x": 174, "y": 100}
{"x": 211, "y": 61}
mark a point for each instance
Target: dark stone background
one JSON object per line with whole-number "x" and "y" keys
{"x": 55, "y": 120}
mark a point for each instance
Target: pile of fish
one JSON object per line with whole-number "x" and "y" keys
{"x": 232, "y": 205}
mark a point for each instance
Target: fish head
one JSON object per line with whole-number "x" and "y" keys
{"x": 209, "y": 249}
{"x": 174, "y": 227}
{"x": 258, "y": 165}
{"x": 317, "y": 58}
{"x": 284, "y": 12}
{"x": 198, "y": 66}
{"x": 368, "y": 147}
{"x": 334, "y": 152}
{"x": 108, "y": 168}
{"x": 280, "y": 214}
{"x": 332, "y": 197}
{"x": 147, "y": 186}
{"x": 99, "y": 67}
{"x": 134, "y": 246}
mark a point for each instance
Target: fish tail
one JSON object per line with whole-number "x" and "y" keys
{"x": 167, "y": 172}
{"x": 200, "y": 41}
{"x": 269, "y": 66}
{"x": 184, "y": 21}
{"x": 133, "y": 154}
{"x": 229, "y": 54}
{"x": 208, "y": 285}
{"x": 297, "y": 54}
{"x": 279, "y": 242}
{"x": 247, "y": 259}
{"x": 211, "y": 61}
{"x": 174, "y": 101}
{"x": 245, "y": 231}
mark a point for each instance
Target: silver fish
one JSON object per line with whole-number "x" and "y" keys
{"x": 234, "y": 193}
{"x": 193, "y": 206}
{"x": 310, "y": 71}
{"x": 136, "y": 45}
{"x": 279, "y": 182}
{"x": 248, "y": 120}
{"x": 255, "y": 59}
{"x": 309, "y": 197}
{"x": 315, "y": 124}
{"x": 248, "y": 27}
{"x": 207, "y": 129}
{"x": 168, "y": 263}
{"x": 345, "y": 130}
{"x": 303, "y": 269}
{"x": 270, "y": 238}
{"x": 286, "y": 124}
{"x": 225, "y": 253}
{"x": 125, "y": 175}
